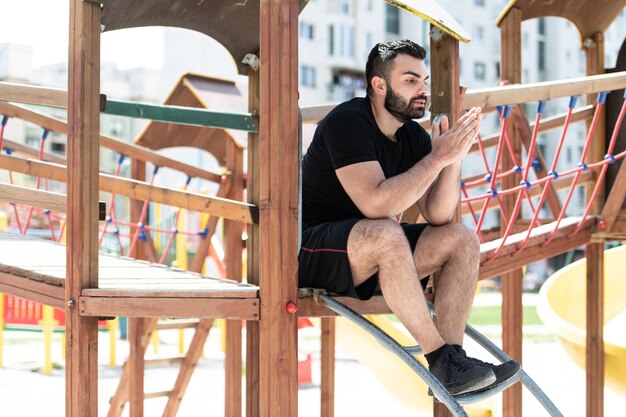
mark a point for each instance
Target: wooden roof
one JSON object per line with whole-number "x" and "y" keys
{"x": 234, "y": 24}
{"x": 589, "y": 16}
{"x": 193, "y": 90}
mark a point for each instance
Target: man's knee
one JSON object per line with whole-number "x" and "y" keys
{"x": 384, "y": 236}
{"x": 461, "y": 240}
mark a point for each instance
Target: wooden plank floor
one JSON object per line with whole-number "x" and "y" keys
{"x": 35, "y": 268}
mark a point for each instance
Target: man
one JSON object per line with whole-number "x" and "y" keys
{"x": 368, "y": 162}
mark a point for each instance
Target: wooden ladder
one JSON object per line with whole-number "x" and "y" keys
{"x": 145, "y": 327}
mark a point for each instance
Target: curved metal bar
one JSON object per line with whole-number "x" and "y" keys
{"x": 440, "y": 392}
{"x": 453, "y": 403}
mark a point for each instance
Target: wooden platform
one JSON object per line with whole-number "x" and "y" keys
{"x": 34, "y": 268}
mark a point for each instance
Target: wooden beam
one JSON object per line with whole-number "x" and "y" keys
{"x": 278, "y": 203}
{"x": 535, "y": 250}
{"x": 188, "y": 366}
{"x": 33, "y": 197}
{"x": 446, "y": 99}
{"x": 138, "y": 190}
{"x": 594, "y": 358}
{"x": 24, "y": 150}
{"x": 594, "y": 58}
{"x": 203, "y": 247}
{"x": 138, "y": 331}
{"x": 252, "y": 251}
{"x": 138, "y": 327}
{"x": 615, "y": 199}
{"x": 30, "y": 94}
{"x": 546, "y": 125}
{"x": 128, "y": 149}
{"x": 233, "y": 249}
{"x": 83, "y": 103}
{"x": 29, "y": 289}
{"x": 517, "y": 94}
{"x": 205, "y": 308}
{"x": 328, "y": 367}
{"x": 511, "y": 71}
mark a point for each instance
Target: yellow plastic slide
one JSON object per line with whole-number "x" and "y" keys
{"x": 561, "y": 306}
{"x": 401, "y": 382}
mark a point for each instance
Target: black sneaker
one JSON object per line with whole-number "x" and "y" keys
{"x": 503, "y": 372}
{"x": 459, "y": 375}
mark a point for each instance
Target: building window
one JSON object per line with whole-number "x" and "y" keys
{"x": 479, "y": 3}
{"x": 344, "y": 6}
{"x": 479, "y": 33}
{"x": 498, "y": 70}
{"x": 479, "y": 71}
{"x": 57, "y": 147}
{"x": 541, "y": 55}
{"x": 541, "y": 28}
{"x": 331, "y": 40}
{"x": 307, "y": 76}
{"x": 392, "y": 23}
{"x": 307, "y": 31}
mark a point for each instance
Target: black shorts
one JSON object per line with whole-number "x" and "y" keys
{"x": 323, "y": 259}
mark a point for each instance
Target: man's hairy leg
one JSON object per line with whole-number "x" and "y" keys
{"x": 454, "y": 250}
{"x": 381, "y": 246}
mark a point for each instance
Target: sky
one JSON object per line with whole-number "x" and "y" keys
{"x": 43, "y": 24}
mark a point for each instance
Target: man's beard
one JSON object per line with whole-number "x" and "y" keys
{"x": 400, "y": 109}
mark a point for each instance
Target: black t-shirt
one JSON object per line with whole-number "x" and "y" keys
{"x": 349, "y": 135}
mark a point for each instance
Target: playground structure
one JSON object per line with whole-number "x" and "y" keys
{"x": 88, "y": 285}
{"x": 559, "y": 307}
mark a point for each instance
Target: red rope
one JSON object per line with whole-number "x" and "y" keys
{"x": 524, "y": 183}
{"x": 492, "y": 185}
{"x": 582, "y": 165}
{"x": 551, "y": 175}
{"x": 609, "y": 158}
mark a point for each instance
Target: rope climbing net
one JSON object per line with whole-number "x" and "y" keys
{"x": 543, "y": 183}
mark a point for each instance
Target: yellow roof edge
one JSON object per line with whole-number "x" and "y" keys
{"x": 430, "y": 19}
{"x": 505, "y": 12}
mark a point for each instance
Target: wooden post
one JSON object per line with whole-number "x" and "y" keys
{"x": 328, "y": 367}
{"x": 81, "y": 369}
{"x": 594, "y": 59}
{"x": 278, "y": 204}
{"x": 137, "y": 339}
{"x": 594, "y": 360}
{"x": 512, "y": 336}
{"x": 233, "y": 247}
{"x": 446, "y": 98}
{"x": 252, "y": 251}
{"x": 136, "y": 325}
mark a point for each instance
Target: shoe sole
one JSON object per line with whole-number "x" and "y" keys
{"x": 477, "y": 385}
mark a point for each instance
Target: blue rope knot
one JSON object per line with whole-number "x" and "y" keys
{"x": 204, "y": 233}
{"x": 610, "y": 157}
{"x": 506, "y": 112}
{"x": 525, "y": 184}
{"x": 583, "y": 166}
{"x": 116, "y": 231}
{"x": 175, "y": 230}
{"x": 493, "y": 192}
{"x": 554, "y": 174}
{"x": 108, "y": 219}
{"x": 140, "y": 225}
{"x": 142, "y": 236}
{"x": 462, "y": 184}
{"x": 488, "y": 177}
{"x": 517, "y": 169}
{"x": 536, "y": 164}
{"x": 46, "y": 212}
{"x": 121, "y": 159}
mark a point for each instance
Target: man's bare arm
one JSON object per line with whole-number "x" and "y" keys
{"x": 380, "y": 197}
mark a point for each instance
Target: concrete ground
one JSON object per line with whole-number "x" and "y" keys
{"x": 25, "y": 391}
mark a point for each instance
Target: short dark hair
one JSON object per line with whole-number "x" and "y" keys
{"x": 382, "y": 55}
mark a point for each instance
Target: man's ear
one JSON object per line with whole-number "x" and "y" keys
{"x": 379, "y": 85}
